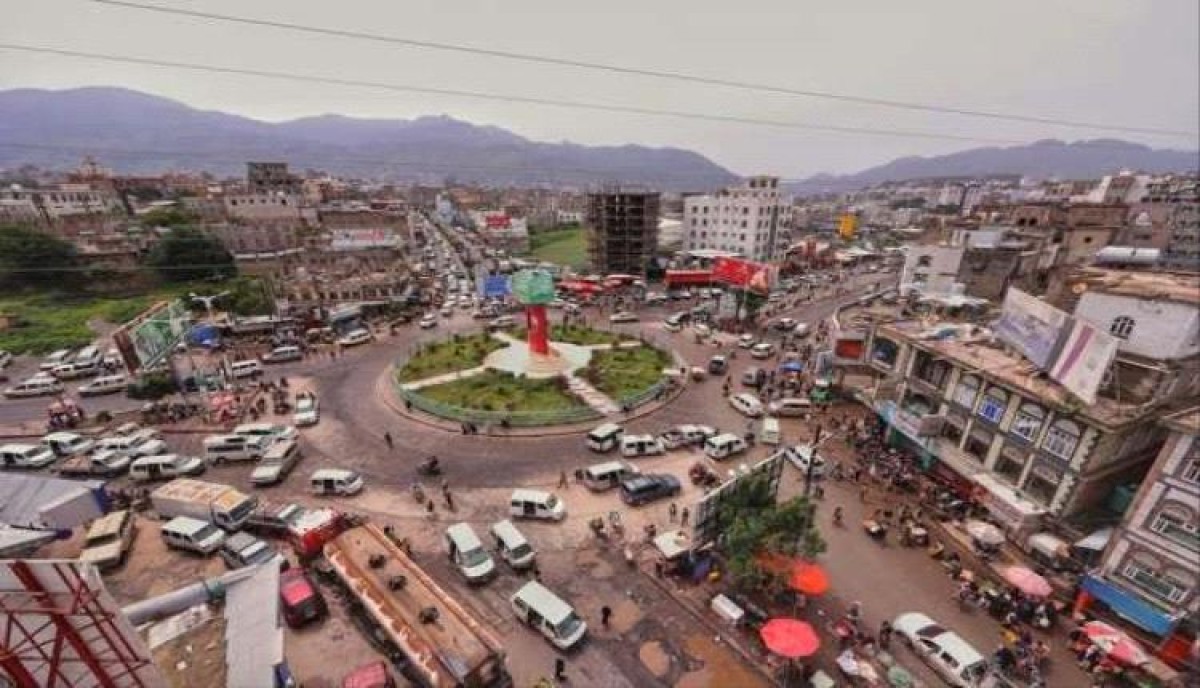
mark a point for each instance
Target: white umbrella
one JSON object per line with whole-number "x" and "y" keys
{"x": 985, "y": 533}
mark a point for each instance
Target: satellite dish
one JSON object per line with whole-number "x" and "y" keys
{"x": 1079, "y": 288}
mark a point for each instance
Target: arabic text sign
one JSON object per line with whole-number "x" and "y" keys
{"x": 1031, "y": 326}
{"x": 1085, "y": 358}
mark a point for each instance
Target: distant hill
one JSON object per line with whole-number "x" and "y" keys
{"x": 1040, "y": 160}
{"x": 136, "y": 132}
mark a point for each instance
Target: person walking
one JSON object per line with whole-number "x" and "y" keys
{"x": 672, "y": 512}
{"x": 562, "y": 479}
{"x": 560, "y": 669}
{"x": 605, "y": 615}
{"x": 683, "y": 517}
{"x": 387, "y": 437}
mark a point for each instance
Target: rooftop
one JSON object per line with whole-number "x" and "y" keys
{"x": 972, "y": 348}
{"x": 1168, "y": 286}
{"x": 1187, "y": 421}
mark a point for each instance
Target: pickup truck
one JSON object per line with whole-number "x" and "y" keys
{"x": 102, "y": 463}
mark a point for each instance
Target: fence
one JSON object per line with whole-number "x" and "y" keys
{"x": 414, "y": 399}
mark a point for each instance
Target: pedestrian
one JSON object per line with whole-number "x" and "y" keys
{"x": 605, "y": 614}
{"x": 429, "y": 507}
{"x": 560, "y": 669}
{"x": 672, "y": 511}
{"x": 387, "y": 437}
{"x": 462, "y": 427}
{"x": 536, "y": 571}
{"x": 449, "y": 500}
{"x": 562, "y": 479}
{"x": 683, "y": 517}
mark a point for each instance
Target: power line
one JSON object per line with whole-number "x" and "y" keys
{"x": 645, "y": 72}
{"x": 528, "y": 100}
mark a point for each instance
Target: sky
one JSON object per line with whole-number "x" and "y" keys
{"x": 1120, "y": 62}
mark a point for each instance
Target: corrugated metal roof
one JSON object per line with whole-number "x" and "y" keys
{"x": 21, "y": 541}
{"x": 23, "y": 496}
{"x": 253, "y": 636}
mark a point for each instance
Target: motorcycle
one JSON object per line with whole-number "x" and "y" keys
{"x": 430, "y": 467}
{"x": 837, "y": 516}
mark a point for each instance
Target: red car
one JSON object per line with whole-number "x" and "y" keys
{"x": 302, "y": 601}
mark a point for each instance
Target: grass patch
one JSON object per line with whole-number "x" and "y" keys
{"x": 577, "y": 334}
{"x": 458, "y": 353}
{"x": 620, "y": 373}
{"x": 566, "y": 247}
{"x": 495, "y": 390}
{"x": 47, "y": 321}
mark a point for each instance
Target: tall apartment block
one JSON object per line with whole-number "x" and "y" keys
{"x": 622, "y": 230}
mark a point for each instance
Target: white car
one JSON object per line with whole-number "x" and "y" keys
{"x": 762, "y": 350}
{"x": 745, "y": 341}
{"x": 355, "y": 337}
{"x": 790, "y": 407}
{"x": 686, "y": 435}
{"x": 274, "y": 433}
{"x": 428, "y": 321}
{"x": 802, "y": 456}
{"x": 5, "y": 359}
{"x": 623, "y": 317}
{"x": 785, "y": 324}
{"x": 447, "y": 311}
{"x": 672, "y": 326}
{"x": 702, "y": 331}
{"x": 308, "y": 411}
{"x": 943, "y": 650}
{"x": 746, "y": 404}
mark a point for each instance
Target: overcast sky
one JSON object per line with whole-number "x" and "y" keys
{"x": 1122, "y": 62}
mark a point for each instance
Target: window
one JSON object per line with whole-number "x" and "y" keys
{"x": 978, "y": 444}
{"x": 1192, "y": 472}
{"x": 1010, "y": 463}
{"x": 931, "y": 370}
{"x": 952, "y": 430}
{"x": 1144, "y": 572}
{"x": 1042, "y": 483}
{"x": 1028, "y": 421}
{"x": 924, "y": 261}
{"x": 994, "y": 403}
{"x": 1121, "y": 326}
{"x": 1062, "y": 439}
{"x": 966, "y": 391}
{"x": 1177, "y": 523}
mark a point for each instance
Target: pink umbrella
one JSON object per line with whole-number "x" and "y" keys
{"x": 1025, "y": 580}
{"x": 790, "y": 638}
{"x": 1114, "y": 643}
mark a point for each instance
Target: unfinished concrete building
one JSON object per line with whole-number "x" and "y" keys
{"x": 622, "y": 230}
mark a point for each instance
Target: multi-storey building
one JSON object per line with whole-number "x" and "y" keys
{"x": 1149, "y": 573}
{"x": 48, "y": 205}
{"x": 750, "y": 220}
{"x": 267, "y": 177}
{"x": 622, "y": 230}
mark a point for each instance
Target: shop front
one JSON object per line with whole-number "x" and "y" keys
{"x": 1019, "y": 516}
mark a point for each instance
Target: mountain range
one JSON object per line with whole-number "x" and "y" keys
{"x": 134, "y": 132}
{"x": 1045, "y": 159}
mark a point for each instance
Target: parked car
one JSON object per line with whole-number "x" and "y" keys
{"x": 355, "y": 337}
{"x": 302, "y": 601}
{"x": 308, "y": 411}
{"x": 762, "y": 350}
{"x": 647, "y": 487}
{"x": 428, "y": 321}
{"x": 754, "y": 377}
{"x": 746, "y": 341}
{"x": 790, "y": 407}
{"x": 277, "y": 463}
{"x": 623, "y": 317}
{"x": 144, "y": 442}
{"x": 68, "y": 443}
{"x": 105, "y": 384}
{"x": 242, "y": 549}
{"x": 746, "y": 404}
{"x": 802, "y": 456}
{"x": 640, "y": 445}
{"x": 686, "y": 436}
{"x": 951, "y": 657}
{"x": 717, "y": 365}
{"x": 282, "y": 354}
{"x": 784, "y": 324}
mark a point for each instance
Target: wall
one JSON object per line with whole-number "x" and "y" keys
{"x": 941, "y": 273}
{"x": 1163, "y": 330}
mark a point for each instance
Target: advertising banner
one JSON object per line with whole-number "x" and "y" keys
{"x": 146, "y": 340}
{"x": 1084, "y": 359}
{"x": 496, "y": 286}
{"x": 1031, "y": 326}
{"x": 743, "y": 273}
{"x": 850, "y": 349}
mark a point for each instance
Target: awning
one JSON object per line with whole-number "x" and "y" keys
{"x": 1096, "y": 541}
{"x": 1129, "y": 606}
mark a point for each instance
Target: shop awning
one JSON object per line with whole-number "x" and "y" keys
{"x": 1095, "y": 541}
{"x": 1129, "y": 606}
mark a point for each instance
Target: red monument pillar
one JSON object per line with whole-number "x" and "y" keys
{"x": 539, "y": 335}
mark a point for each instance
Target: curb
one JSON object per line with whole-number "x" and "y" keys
{"x": 383, "y": 391}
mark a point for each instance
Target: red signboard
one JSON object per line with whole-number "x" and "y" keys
{"x": 497, "y": 221}
{"x": 743, "y": 273}
{"x": 675, "y": 278}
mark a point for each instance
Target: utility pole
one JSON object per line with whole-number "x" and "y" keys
{"x": 812, "y": 461}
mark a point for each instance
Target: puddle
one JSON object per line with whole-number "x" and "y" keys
{"x": 721, "y": 666}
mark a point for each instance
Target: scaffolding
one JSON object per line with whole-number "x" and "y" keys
{"x": 622, "y": 231}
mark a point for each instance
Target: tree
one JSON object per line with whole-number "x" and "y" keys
{"x": 753, "y": 527}
{"x": 169, "y": 217}
{"x": 187, "y": 254}
{"x": 30, "y": 258}
{"x": 248, "y": 296}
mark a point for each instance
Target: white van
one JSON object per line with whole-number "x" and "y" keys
{"x": 641, "y": 445}
{"x": 144, "y": 442}
{"x": 241, "y": 369}
{"x": 55, "y": 359}
{"x": 606, "y": 476}
{"x": 89, "y": 356}
{"x": 221, "y": 448}
{"x": 67, "y": 443}
{"x": 769, "y": 433}
{"x": 512, "y": 545}
{"x": 74, "y": 370}
{"x": 34, "y": 387}
{"x": 605, "y": 438}
{"x": 549, "y": 614}
{"x": 282, "y": 354}
{"x": 105, "y": 384}
{"x": 335, "y": 482}
{"x": 192, "y": 535}
{"x": 271, "y": 431}
{"x": 466, "y": 551}
{"x": 25, "y": 456}
{"x": 794, "y": 407}
{"x": 536, "y": 504}
{"x": 724, "y": 446}
{"x": 165, "y": 467}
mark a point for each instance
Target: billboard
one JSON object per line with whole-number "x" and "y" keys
{"x": 850, "y": 349}
{"x": 149, "y": 338}
{"x": 847, "y": 226}
{"x": 704, "y": 528}
{"x": 496, "y": 286}
{"x": 362, "y": 238}
{"x": 1031, "y": 326}
{"x": 1085, "y": 357}
{"x": 756, "y": 277}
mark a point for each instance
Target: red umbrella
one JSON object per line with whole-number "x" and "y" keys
{"x": 1114, "y": 643}
{"x": 808, "y": 578}
{"x": 1027, "y": 581}
{"x": 790, "y": 638}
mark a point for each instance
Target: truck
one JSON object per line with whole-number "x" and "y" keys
{"x": 220, "y": 505}
{"x": 443, "y": 643}
{"x": 103, "y": 463}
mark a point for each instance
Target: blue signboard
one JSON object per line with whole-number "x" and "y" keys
{"x": 496, "y": 286}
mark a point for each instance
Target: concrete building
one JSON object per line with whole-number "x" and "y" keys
{"x": 267, "y": 177}
{"x": 622, "y": 230}
{"x": 750, "y": 220}
{"x": 270, "y": 206}
{"x": 1149, "y": 572}
{"x": 1183, "y": 244}
{"x": 502, "y": 230}
{"x": 931, "y": 269}
{"x": 62, "y": 201}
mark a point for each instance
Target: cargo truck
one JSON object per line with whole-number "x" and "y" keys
{"x": 220, "y": 505}
{"x": 444, "y": 644}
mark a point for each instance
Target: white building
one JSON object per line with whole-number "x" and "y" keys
{"x": 61, "y": 201}
{"x": 267, "y": 206}
{"x": 750, "y": 220}
{"x": 931, "y": 269}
